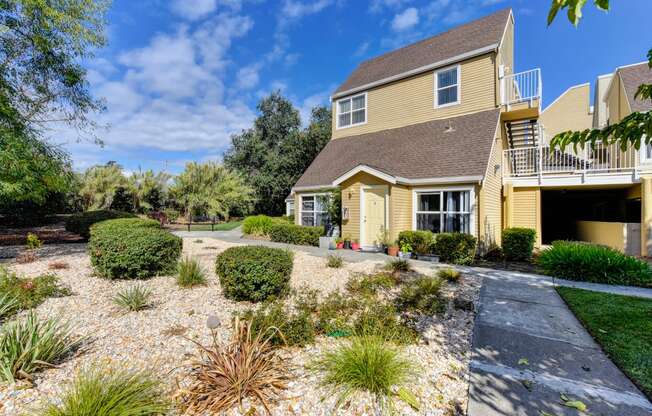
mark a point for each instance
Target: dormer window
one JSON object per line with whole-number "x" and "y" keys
{"x": 447, "y": 86}
{"x": 352, "y": 111}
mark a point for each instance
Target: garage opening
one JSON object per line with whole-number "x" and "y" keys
{"x": 606, "y": 216}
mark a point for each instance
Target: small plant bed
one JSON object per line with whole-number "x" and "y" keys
{"x": 170, "y": 338}
{"x": 622, "y": 325}
{"x": 222, "y": 226}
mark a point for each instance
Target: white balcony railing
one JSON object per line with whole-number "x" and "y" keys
{"x": 521, "y": 87}
{"x": 593, "y": 159}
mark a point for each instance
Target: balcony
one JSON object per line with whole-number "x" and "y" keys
{"x": 520, "y": 93}
{"x": 597, "y": 164}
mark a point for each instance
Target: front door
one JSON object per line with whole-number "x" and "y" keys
{"x": 373, "y": 219}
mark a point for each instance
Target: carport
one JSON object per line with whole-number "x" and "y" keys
{"x": 609, "y": 216}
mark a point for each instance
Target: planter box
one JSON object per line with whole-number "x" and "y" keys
{"x": 404, "y": 255}
{"x": 327, "y": 243}
{"x": 428, "y": 257}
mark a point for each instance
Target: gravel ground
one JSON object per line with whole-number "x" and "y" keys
{"x": 154, "y": 338}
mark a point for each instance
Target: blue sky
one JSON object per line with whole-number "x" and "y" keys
{"x": 180, "y": 76}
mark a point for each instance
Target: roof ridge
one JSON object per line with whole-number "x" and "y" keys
{"x": 454, "y": 28}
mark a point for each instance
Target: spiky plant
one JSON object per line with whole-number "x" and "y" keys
{"x": 31, "y": 344}
{"x": 134, "y": 298}
{"x": 365, "y": 364}
{"x": 334, "y": 261}
{"x": 449, "y": 275}
{"x": 98, "y": 392}
{"x": 398, "y": 265}
{"x": 190, "y": 273}
{"x": 222, "y": 376}
{"x": 8, "y": 305}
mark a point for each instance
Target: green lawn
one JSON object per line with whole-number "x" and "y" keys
{"x": 225, "y": 226}
{"x": 622, "y": 325}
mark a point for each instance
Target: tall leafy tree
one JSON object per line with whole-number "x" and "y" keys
{"x": 212, "y": 189}
{"x": 100, "y": 184}
{"x": 632, "y": 130}
{"x": 276, "y": 151}
{"x": 149, "y": 189}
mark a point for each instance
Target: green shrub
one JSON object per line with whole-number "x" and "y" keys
{"x": 29, "y": 292}
{"x": 574, "y": 260}
{"x": 81, "y": 223}
{"x": 190, "y": 273}
{"x": 420, "y": 241}
{"x": 99, "y": 392}
{"x": 257, "y": 225}
{"x": 456, "y": 248}
{"x": 368, "y": 285}
{"x": 296, "y": 328}
{"x": 334, "y": 261}
{"x": 29, "y": 345}
{"x": 134, "y": 298}
{"x": 335, "y": 314}
{"x": 380, "y": 318}
{"x": 132, "y": 249}
{"x": 295, "y": 234}
{"x": 398, "y": 265}
{"x": 518, "y": 243}
{"x": 449, "y": 275}
{"x": 366, "y": 364}
{"x": 422, "y": 295}
{"x": 254, "y": 273}
{"x": 33, "y": 241}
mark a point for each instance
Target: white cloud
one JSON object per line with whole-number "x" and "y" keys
{"x": 194, "y": 9}
{"x": 170, "y": 96}
{"x": 247, "y": 77}
{"x": 405, "y": 20}
{"x": 307, "y": 104}
{"x": 378, "y": 5}
{"x": 362, "y": 49}
{"x": 293, "y": 10}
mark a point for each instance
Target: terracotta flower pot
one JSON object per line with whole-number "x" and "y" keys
{"x": 392, "y": 251}
{"x": 340, "y": 246}
{"x": 355, "y": 246}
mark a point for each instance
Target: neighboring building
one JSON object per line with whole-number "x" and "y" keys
{"x": 289, "y": 205}
{"x": 600, "y": 102}
{"x": 443, "y": 135}
{"x": 570, "y": 111}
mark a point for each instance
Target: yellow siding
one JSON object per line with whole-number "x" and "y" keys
{"x": 505, "y": 56}
{"x": 617, "y": 103}
{"x": 569, "y": 112}
{"x": 400, "y": 215}
{"x": 526, "y": 210}
{"x": 490, "y": 199}
{"x": 411, "y": 100}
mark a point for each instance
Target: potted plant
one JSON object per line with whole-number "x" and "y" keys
{"x": 383, "y": 239}
{"x": 347, "y": 243}
{"x": 355, "y": 245}
{"x": 339, "y": 243}
{"x": 392, "y": 249}
{"x": 406, "y": 251}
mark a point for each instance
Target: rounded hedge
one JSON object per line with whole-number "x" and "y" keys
{"x": 296, "y": 234}
{"x": 456, "y": 248}
{"x": 518, "y": 243}
{"x": 132, "y": 249}
{"x": 254, "y": 273}
{"x": 81, "y": 223}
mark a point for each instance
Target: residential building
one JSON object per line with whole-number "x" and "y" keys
{"x": 445, "y": 135}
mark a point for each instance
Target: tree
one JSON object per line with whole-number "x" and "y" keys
{"x": 275, "y": 152}
{"x": 42, "y": 45}
{"x": 211, "y": 189}
{"x": 633, "y": 129}
{"x": 149, "y": 190}
{"x": 99, "y": 185}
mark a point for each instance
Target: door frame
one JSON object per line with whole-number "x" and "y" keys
{"x": 362, "y": 209}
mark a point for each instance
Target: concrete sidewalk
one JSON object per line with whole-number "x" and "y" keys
{"x": 529, "y": 349}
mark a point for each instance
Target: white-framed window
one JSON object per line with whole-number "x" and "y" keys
{"x": 444, "y": 211}
{"x": 352, "y": 111}
{"x": 313, "y": 210}
{"x": 447, "y": 86}
{"x": 289, "y": 208}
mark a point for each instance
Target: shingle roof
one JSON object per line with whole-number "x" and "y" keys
{"x": 418, "y": 151}
{"x": 633, "y": 76}
{"x": 462, "y": 39}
